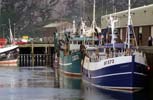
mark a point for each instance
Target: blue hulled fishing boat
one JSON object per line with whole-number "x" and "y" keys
{"x": 116, "y": 66}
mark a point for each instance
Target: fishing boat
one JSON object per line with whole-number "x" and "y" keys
{"x": 69, "y": 53}
{"x": 72, "y": 46}
{"x": 116, "y": 66}
{"x": 8, "y": 52}
{"x": 70, "y": 63}
{"x": 70, "y": 49}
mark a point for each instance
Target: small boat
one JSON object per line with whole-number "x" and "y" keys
{"x": 116, "y": 66}
{"x": 9, "y": 55}
{"x": 20, "y": 42}
{"x": 8, "y": 52}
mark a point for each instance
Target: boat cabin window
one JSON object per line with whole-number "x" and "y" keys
{"x": 101, "y": 50}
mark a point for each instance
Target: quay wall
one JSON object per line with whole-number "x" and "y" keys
{"x": 148, "y": 50}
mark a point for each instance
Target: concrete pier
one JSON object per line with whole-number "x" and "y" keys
{"x": 148, "y": 50}
{"x": 149, "y": 54}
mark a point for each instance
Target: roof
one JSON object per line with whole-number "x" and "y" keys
{"x": 134, "y": 9}
{"x": 60, "y": 26}
{"x": 52, "y": 25}
{"x": 56, "y": 24}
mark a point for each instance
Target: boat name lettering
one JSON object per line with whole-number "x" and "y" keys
{"x": 75, "y": 57}
{"x": 109, "y": 62}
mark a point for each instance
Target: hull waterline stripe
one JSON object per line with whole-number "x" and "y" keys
{"x": 118, "y": 74}
{"x": 73, "y": 74}
{"x": 67, "y": 64}
{"x": 8, "y": 62}
{"x": 121, "y": 89}
{"x": 140, "y": 74}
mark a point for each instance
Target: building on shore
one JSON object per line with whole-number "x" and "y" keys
{"x": 142, "y": 19}
{"x": 55, "y": 27}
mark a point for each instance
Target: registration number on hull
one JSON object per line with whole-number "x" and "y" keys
{"x": 109, "y": 62}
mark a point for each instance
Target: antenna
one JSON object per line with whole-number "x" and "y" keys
{"x": 102, "y": 11}
{"x": 83, "y": 9}
{"x": 113, "y": 6}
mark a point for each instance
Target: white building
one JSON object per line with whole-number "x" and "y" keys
{"x": 142, "y": 18}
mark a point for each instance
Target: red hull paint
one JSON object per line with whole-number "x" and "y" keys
{"x": 8, "y": 63}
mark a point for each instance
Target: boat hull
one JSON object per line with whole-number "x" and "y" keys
{"x": 128, "y": 76}
{"x": 70, "y": 64}
{"x": 9, "y": 56}
{"x": 8, "y": 63}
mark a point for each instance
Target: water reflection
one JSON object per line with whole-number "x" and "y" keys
{"x": 92, "y": 93}
{"x": 40, "y": 83}
{"x": 32, "y": 84}
{"x": 70, "y": 82}
{"x": 18, "y": 77}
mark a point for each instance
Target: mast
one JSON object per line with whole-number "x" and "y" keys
{"x": 93, "y": 22}
{"x": 74, "y": 28}
{"x": 112, "y": 22}
{"x": 11, "y": 35}
{"x": 112, "y": 31}
{"x": 82, "y": 27}
{"x": 129, "y": 22}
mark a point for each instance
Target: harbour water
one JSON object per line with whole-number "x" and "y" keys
{"x": 40, "y": 83}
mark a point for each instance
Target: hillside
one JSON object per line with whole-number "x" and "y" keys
{"x": 28, "y": 16}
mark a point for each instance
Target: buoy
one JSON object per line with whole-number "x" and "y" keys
{"x": 148, "y": 68}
